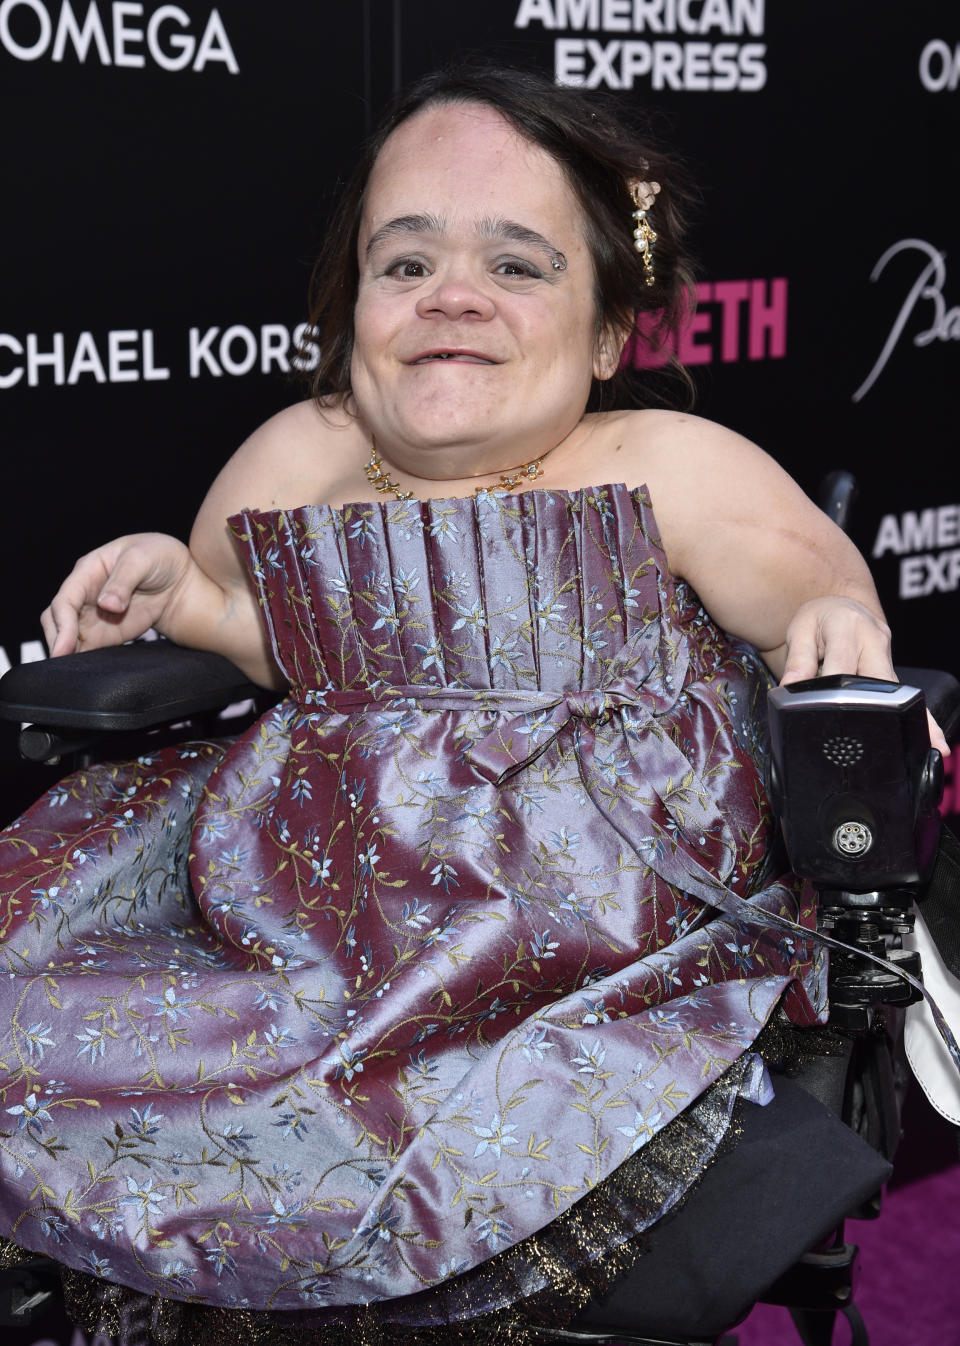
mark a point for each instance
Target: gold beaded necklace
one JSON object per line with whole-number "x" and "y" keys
{"x": 381, "y": 480}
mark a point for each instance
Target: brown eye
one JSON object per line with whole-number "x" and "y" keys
{"x": 407, "y": 269}
{"x": 516, "y": 267}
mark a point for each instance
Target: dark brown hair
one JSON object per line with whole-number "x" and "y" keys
{"x": 599, "y": 153}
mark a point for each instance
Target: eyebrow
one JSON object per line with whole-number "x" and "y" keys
{"x": 490, "y": 227}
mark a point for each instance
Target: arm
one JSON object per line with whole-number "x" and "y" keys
{"x": 199, "y": 595}
{"x": 769, "y": 566}
{"x": 117, "y": 591}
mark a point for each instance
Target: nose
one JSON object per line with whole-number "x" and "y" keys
{"x": 455, "y": 295}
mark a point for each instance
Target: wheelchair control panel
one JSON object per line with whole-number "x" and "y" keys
{"x": 856, "y": 785}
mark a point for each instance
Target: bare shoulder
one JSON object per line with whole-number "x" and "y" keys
{"x": 675, "y": 453}
{"x": 664, "y": 441}
{"x": 288, "y": 460}
{"x": 704, "y": 479}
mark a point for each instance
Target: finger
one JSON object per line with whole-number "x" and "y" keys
{"x": 937, "y": 737}
{"x": 856, "y": 643}
{"x": 848, "y": 655}
{"x": 48, "y": 626}
{"x": 840, "y": 655}
{"x": 802, "y": 655}
{"x": 842, "y": 640}
{"x": 60, "y": 626}
{"x": 876, "y": 663}
{"x": 131, "y": 568}
{"x": 62, "y": 620}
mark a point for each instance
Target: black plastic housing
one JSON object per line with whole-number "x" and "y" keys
{"x": 855, "y": 781}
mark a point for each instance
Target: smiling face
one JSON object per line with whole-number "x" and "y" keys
{"x": 475, "y": 340}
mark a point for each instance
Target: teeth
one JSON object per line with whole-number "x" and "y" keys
{"x": 452, "y": 355}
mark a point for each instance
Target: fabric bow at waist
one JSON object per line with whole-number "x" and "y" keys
{"x": 516, "y": 743}
{"x": 637, "y": 687}
{"x": 663, "y": 810}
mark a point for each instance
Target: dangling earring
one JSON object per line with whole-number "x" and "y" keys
{"x": 644, "y": 194}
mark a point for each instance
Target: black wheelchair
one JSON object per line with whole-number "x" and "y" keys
{"x": 765, "y": 1223}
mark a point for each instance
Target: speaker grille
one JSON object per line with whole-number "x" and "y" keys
{"x": 842, "y": 750}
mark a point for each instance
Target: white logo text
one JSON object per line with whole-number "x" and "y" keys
{"x": 927, "y": 288}
{"x": 666, "y": 64}
{"x": 28, "y": 33}
{"x": 933, "y": 532}
{"x": 939, "y": 66}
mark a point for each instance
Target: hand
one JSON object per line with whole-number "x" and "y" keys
{"x": 840, "y": 635}
{"x": 837, "y": 635}
{"x": 115, "y": 593}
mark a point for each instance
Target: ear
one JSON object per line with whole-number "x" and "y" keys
{"x": 609, "y": 349}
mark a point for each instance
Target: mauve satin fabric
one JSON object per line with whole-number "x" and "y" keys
{"x": 342, "y": 1009}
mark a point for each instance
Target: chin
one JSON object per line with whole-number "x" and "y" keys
{"x": 446, "y": 432}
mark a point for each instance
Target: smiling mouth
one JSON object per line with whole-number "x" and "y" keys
{"x": 461, "y": 357}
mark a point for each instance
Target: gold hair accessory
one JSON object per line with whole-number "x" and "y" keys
{"x": 382, "y": 482}
{"x": 644, "y": 195}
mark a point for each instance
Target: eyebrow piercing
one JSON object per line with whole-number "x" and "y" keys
{"x": 558, "y": 262}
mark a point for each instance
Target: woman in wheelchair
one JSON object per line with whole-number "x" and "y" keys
{"x": 402, "y": 1005}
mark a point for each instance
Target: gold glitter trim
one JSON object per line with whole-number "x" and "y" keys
{"x": 541, "y": 1283}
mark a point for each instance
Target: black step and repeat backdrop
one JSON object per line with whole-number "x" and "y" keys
{"x": 168, "y": 168}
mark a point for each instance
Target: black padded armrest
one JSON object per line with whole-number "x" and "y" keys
{"x": 122, "y": 688}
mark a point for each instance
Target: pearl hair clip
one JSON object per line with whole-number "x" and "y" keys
{"x": 644, "y": 194}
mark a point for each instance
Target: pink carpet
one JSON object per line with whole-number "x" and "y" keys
{"x": 909, "y": 1288}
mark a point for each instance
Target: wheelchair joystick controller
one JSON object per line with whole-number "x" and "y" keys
{"x": 856, "y": 785}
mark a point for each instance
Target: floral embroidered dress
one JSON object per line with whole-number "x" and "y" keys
{"x": 347, "y": 1008}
